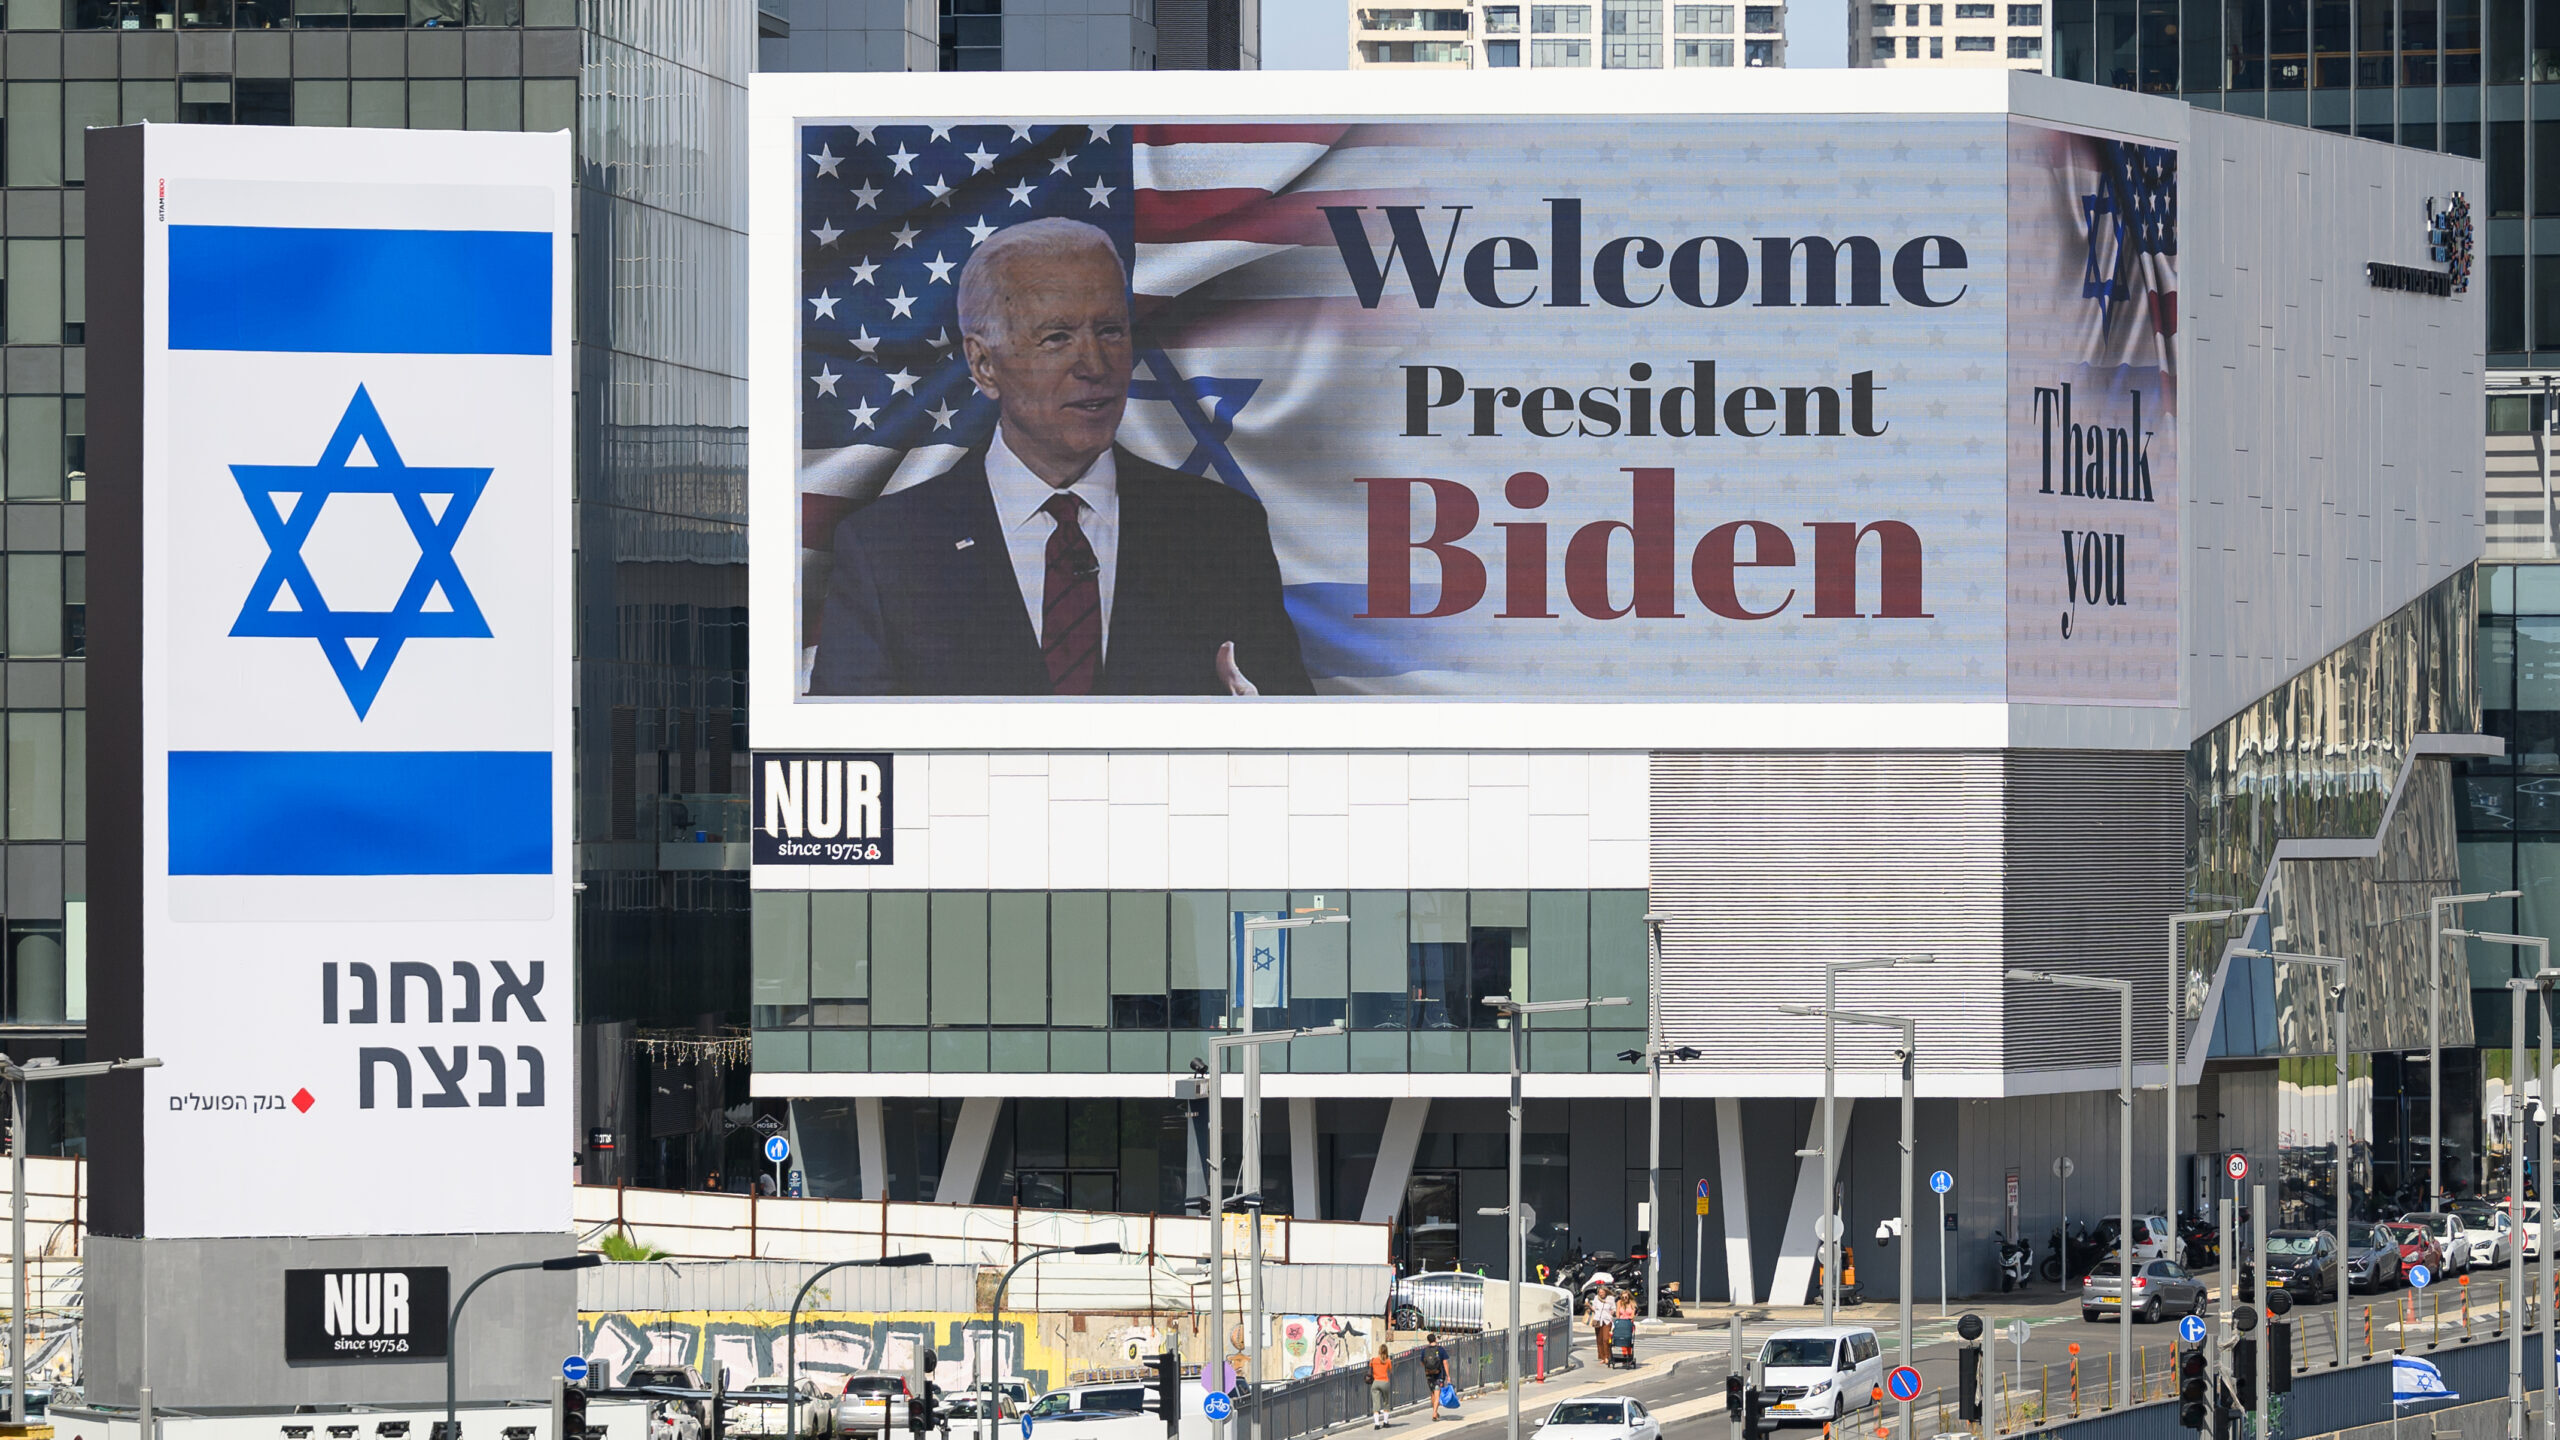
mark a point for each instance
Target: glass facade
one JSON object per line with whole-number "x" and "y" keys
{"x": 1092, "y": 981}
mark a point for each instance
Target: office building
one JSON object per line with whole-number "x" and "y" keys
{"x": 1968, "y": 35}
{"x": 1604, "y": 34}
{"x": 810, "y": 36}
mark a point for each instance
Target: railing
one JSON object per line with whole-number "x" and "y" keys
{"x": 1341, "y": 1397}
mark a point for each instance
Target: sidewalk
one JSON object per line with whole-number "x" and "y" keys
{"x": 1485, "y": 1406}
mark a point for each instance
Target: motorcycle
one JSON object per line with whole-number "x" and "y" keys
{"x": 2017, "y": 1262}
{"x": 2198, "y": 1241}
{"x": 2074, "y": 1258}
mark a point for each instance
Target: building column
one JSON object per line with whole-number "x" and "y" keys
{"x": 871, "y": 1146}
{"x": 1306, "y": 1193}
{"x": 1397, "y": 1145}
{"x": 1800, "y": 1249}
{"x": 1739, "y": 1276}
{"x": 969, "y": 1141}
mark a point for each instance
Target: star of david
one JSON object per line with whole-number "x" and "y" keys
{"x": 2103, "y": 221}
{"x": 285, "y": 600}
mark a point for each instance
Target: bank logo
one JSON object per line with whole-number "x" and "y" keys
{"x": 286, "y": 601}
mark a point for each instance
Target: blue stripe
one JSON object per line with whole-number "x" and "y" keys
{"x": 375, "y": 812}
{"x": 369, "y": 292}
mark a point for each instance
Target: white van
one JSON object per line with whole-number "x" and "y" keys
{"x": 1821, "y": 1373}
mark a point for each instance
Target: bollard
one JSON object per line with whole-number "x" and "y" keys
{"x": 2044, "y": 1392}
{"x": 2466, "y": 1307}
{"x": 1542, "y": 1357}
{"x": 2075, "y": 1378}
{"x": 2435, "y": 1336}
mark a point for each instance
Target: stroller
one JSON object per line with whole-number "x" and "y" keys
{"x": 1622, "y": 1343}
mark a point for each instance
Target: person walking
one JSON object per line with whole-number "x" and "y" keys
{"x": 1435, "y": 1370}
{"x": 1601, "y": 1311}
{"x": 1381, "y": 1370}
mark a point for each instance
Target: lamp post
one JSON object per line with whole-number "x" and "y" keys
{"x": 2337, "y": 990}
{"x": 2124, "y": 1161}
{"x": 586, "y": 1260}
{"x": 791, "y": 1328}
{"x": 1652, "y": 1056}
{"x": 2436, "y": 936}
{"x": 1910, "y": 1056}
{"x": 2539, "y": 981}
{"x": 1250, "y": 1202}
{"x": 1255, "y": 925}
{"x": 1829, "y": 1226}
{"x": 19, "y": 1076}
{"x": 2177, "y": 1018}
{"x": 1517, "y": 1011}
{"x": 995, "y": 1322}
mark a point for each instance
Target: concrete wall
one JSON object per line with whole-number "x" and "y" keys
{"x": 202, "y": 1321}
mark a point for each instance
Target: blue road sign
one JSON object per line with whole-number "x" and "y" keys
{"x": 777, "y": 1149}
{"x": 1941, "y": 1181}
{"x": 1026, "y": 1427}
{"x": 1702, "y": 1189}
{"x": 1216, "y": 1405}
{"x": 574, "y": 1369}
{"x": 2191, "y": 1329}
{"x": 2419, "y": 1277}
{"x": 1903, "y": 1383}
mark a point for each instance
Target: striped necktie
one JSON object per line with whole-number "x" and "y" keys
{"x": 1071, "y": 602}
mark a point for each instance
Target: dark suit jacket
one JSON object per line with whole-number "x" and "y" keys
{"x": 912, "y": 611}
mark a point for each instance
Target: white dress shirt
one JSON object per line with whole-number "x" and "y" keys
{"x": 1019, "y": 494}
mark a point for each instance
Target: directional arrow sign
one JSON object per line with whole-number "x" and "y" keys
{"x": 2420, "y": 1277}
{"x": 1941, "y": 1181}
{"x": 777, "y": 1149}
{"x": 574, "y": 1369}
{"x": 2191, "y": 1329}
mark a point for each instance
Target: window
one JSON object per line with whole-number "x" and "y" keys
{"x": 2513, "y": 414}
{"x": 1937, "y": 14}
{"x": 1759, "y": 54}
{"x": 1415, "y": 20}
{"x": 1502, "y": 20}
{"x": 1764, "y": 19}
{"x": 1631, "y": 17}
{"x": 1570, "y": 19}
{"x": 1708, "y": 52}
{"x": 1881, "y": 17}
{"x": 1632, "y": 55}
{"x": 1414, "y": 52}
{"x": 1977, "y": 12}
{"x": 1910, "y": 47}
{"x": 1715, "y": 19}
{"x": 1884, "y": 47}
{"x": 1502, "y": 54}
{"x": 1985, "y": 43}
{"x": 1937, "y": 48}
{"x": 2026, "y": 47}
{"x": 1547, "y": 53}
{"x": 1911, "y": 16}
{"x": 2027, "y": 16}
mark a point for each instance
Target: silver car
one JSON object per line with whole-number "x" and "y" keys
{"x": 2161, "y": 1288}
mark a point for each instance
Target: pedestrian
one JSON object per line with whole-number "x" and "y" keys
{"x": 1381, "y": 1370}
{"x": 1435, "y": 1370}
{"x": 1600, "y": 1313}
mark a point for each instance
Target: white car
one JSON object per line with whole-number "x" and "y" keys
{"x": 2450, "y": 1238}
{"x": 2485, "y": 1226}
{"x": 1820, "y": 1373}
{"x": 1600, "y": 1417}
{"x": 2533, "y": 1229}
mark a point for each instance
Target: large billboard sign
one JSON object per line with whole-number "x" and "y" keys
{"x": 341, "y": 583}
{"x": 1699, "y": 411}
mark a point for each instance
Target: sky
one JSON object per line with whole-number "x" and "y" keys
{"x": 1316, "y": 34}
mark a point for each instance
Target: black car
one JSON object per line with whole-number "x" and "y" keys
{"x": 2301, "y": 1263}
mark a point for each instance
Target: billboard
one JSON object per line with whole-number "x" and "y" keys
{"x": 1320, "y": 411}
{"x": 339, "y": 609}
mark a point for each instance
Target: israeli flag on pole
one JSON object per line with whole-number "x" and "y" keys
{"x": 2414, "y": 1380}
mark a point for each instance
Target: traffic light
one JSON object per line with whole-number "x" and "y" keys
{"x": 920, "y": 1388}
{"x": 1968, "y": 1382}
{"x": 573, "y": 1413}
{"x": 2244, "y": 1375}
{"x": 2279, "y": 1356}
{"x": 1733, "y": 1388}
{"x": 1169, "y": 1387}
{"x": 2193, "y": 1396}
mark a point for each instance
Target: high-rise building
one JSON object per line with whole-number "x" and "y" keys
{"x": 1606, "y": 34}
{"x": 1963, "y": 36}
{"x": 655, "y": 93}
{"x": 821, "y": 35}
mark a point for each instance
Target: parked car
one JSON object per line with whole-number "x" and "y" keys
{"x": 2373, "y": 1259}
{"x": 2449, "y": 1237}
{"x": 2149, "y": 1234}
{"x": 2486, "y": 1227}
{"x": 2301, "y": 1263}
{"x": 1819, "y": 1374}
{"x": 873, "y": 1402}
{"x": 1122, "y": 1398}
{"x": 1601, "y": 1417}
{"x": 1446, "y": 1302}
{"x": 767, "y": 1410}
{"x": 2533, "y": 1230}
{"x": 2161, "y": 1288}
{"x": 2417, "y": 1247}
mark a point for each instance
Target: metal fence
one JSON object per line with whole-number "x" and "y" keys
{"x": 1341, "y": 1397}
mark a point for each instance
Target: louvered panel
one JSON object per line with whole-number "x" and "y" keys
{"x": 1765, "y": 865}
{"x": 2096, "y": 864}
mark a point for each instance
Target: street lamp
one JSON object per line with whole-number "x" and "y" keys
{"x": 1651, "y": 1057}
{"x": 2436, "y": 936}
{"x": 2177, "y": 1018}
{"x": 2124, "y": 1167}
{"x": 1256, "y": 925}
{"x": 1516, "y": 1011}
{"x": 1830, "y": 1224}
{"x": 2538, "y": 981}
{"x": 1910, "y": 1056}
{"x": 586, "y": 1260}
{"x": 1250, "y": 1201}
{"x": 2338, "y": 991}
{"x": 995, "y": 1324}
{"x": 791, "y": 1329}
{"x": 19, "y": 1075}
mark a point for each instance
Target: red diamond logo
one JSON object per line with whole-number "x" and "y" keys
{"x": 302, "y": 1101}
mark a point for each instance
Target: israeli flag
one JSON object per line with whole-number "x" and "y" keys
{"x": 2413, "y": 1381}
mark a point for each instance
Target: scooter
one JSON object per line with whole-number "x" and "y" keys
{"x": 2071, "y": 1257}
{"x": 2200, "y": 1242}
{"x": 2017, "y": 1262}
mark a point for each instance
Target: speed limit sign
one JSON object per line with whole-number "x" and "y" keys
{"x": 2237, "y": 1167}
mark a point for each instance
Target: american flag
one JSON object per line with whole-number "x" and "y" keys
{"x": 1240, "y": 298}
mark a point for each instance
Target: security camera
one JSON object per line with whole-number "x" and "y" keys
{"x": 1889, "y": 1231}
